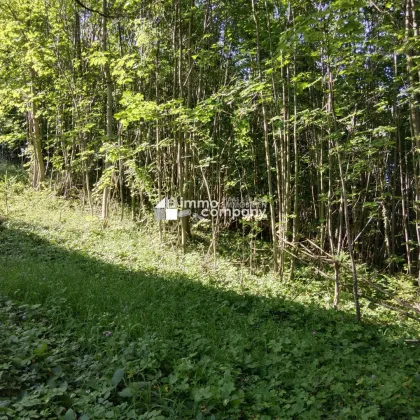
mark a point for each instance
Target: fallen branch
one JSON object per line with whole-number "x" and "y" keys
{"x": 305, "y": 255}
{"x": 389, "y": 294}
{"x": 412, "y": 341}
{"x": 391, "y": 307}
{"x": 303, "y": 260}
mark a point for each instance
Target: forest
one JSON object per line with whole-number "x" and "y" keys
{"x": 209, "y": 209}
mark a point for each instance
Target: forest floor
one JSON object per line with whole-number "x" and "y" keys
{"x": 108, "y": 323}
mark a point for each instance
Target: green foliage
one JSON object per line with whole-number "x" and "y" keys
{"x": 227, "y": 96}
{"x": 110, "y": 324}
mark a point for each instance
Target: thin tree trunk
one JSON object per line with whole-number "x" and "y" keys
{"x": 38, "y": 175}
{"x": 267, "y": 150}
{"x": 109, "y": 110}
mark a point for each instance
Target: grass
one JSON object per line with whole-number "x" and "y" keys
{"x": 108, "y": 323}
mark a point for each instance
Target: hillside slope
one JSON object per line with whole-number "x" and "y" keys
{"x": 115, "y": 325}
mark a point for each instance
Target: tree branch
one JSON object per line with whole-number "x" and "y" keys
{"x": 95, "y": 11}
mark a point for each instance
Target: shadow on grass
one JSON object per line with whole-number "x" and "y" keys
{"x": 286, "y": 356}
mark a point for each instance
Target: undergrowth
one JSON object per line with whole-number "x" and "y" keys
{"x": 109, "y": 323}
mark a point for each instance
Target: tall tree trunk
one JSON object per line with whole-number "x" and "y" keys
{"x": 109, "y": 110}
{"x": 266, "y": 149}
{"x": 38, "y": 173}
{"x": 411, "y": 30}
{"x": 330, "y": 109}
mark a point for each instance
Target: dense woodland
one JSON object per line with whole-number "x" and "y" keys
{"x": 311, "y": 107}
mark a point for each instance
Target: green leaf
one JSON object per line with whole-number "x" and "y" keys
{"x": 70, "y": 415}
{"x": 57, "y": 370}
{"x": 202, "y": 394}
{"x": 172, "y": 378}
{"x": 118, "y": 375}
{"x": 41, "y": 349}
{"x": 126, "y": 393}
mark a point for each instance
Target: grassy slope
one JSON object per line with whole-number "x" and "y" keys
{"x": 199, "y": 341}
